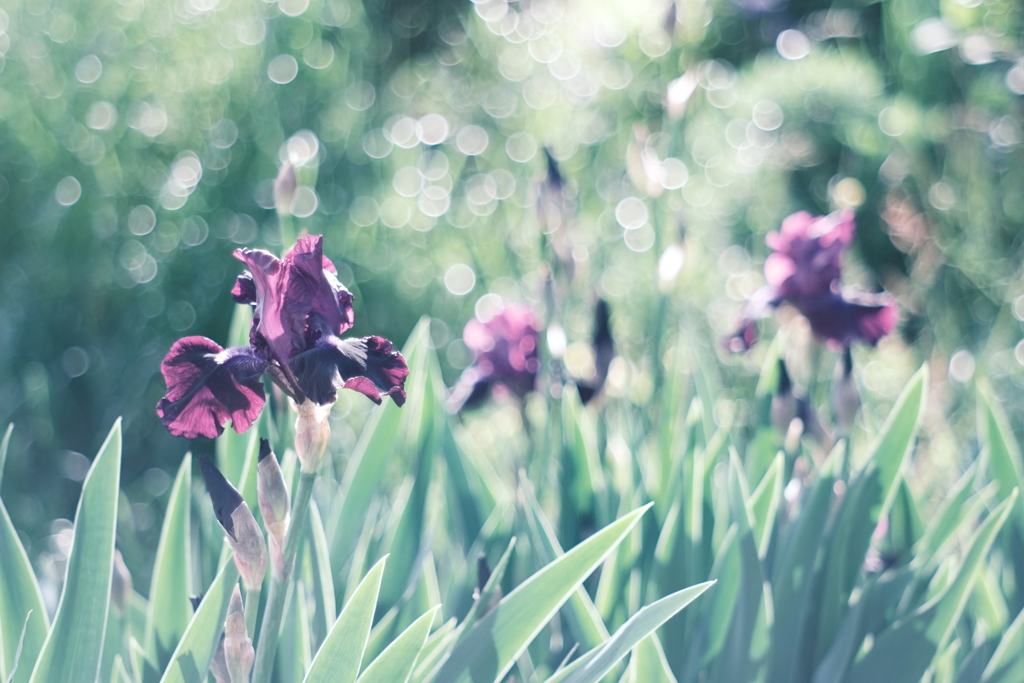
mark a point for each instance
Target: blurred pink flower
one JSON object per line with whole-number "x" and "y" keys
{"x": 505, "y": 357}
{"x": 804, "y": 270}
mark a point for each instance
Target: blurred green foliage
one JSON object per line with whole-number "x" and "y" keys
{"x": 141, "y": 141}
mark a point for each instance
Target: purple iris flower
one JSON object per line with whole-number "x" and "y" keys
{"x": 804, "y": 271}
{"x": 300, "y": 310}
{"x": 807, "y": 253}
{"x": 505, "y": 357}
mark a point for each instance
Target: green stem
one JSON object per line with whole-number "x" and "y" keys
{"x": 271, "y": 627}
{"x": 287, "y": 230}
{"x": 252, "y": 606}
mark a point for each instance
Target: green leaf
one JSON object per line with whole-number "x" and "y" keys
{"x": 74, "y": 645}
{"x": 16, "y": 658}
{"x": 424, "y": 417}
{"x": 341, "y": 655}
{"x": 4, "y": 445}
{"x": 586, "y": 621}
{"x": 294, "y": 647}
{"x": 1004, "y": 452}
{"x": 792, "y": 587}
{"x": 648, "y": 663}
{"x": 744, "y": 653}
{"x": 20, "y": 598}
{"x": 192, "y": 657}
{"x": 867, "y": 498}
{"x": 905, "y": 651}
{"x": 949, "y": 515}
{"x": 437, "y": 646}
{"x": 323, "y": 578}
{"x": 487, "y": 594}
{"x": 394, "y": 664}
{"x": 763, "y": 504}
{"x": 596, "y": 663}
{"x": 231, "y": 446}
{"x": 496, "y": 642}
{"x": 169, "y": 607}
{"x": 1007, "y": 663}
{"x": 580, "y": 443}
{"x": 372, "y": 453}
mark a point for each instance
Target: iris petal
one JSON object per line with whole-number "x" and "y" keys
{"x": 298, "y": 299}
{"x": 848, "y": 317}
{"x": 807, "y": 253}
{"x": 207, "y": 386}
{"x": 369, "y": 365}
{"x": 244, "y": 291}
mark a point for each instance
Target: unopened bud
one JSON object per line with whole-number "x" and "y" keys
{"x": 312, "y": 433}
{"x": 284, "y": 189}
{"x": 483, "y": 576}
{"x": 219, "y": 664}
{"x": 784, "y": 407}
{"x": 243, "y": 533}
{"x": 273, "y": 498}
{"x": 238, "y": 651}
{"x": 120, "y": 583}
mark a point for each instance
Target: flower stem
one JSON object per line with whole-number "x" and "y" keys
{"x": 272, "y": 615}
{"x": 252, "y": 606}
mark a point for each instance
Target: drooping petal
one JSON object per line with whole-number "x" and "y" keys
{"x": 207, "y": 386}
{"x": 244, "y": 291}
{"x": 848, "y": 317}
{"x": 470, "y": 390}
{"x": 369, "y": 365}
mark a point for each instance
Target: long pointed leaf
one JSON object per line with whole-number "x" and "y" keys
{"x": 639, "y": 626}
{"x": 19, "y": 595}
{"x": 905, "y": 651}
{"x": 867, "y": 499}
{"x": 497, "y": 641}
{"x": 341, "y": 655}
{"x": 394, "y": 664}
{"x": 4, "y": 445}
{"x": 1007, "y": 663}
{"x": 74, "y": 645}
{"x": 192, "y": 657}
{"x": 169, "y": 607}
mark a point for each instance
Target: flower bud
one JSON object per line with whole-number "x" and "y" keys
{"x": 243, "y": 533}
{"x": 784, "y": 407}
{"x": 120, "y": 583}
{"x": 483, "y": 575}
{"x": 312, "y": 433}
{"x": 219, "y": 664}
{"x": 273, "y": 498}
{"x": 238, "y": 651}
{"x": 284, "y": 189}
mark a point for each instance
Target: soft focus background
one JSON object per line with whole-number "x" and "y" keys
{"x": 141, "y": 140}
